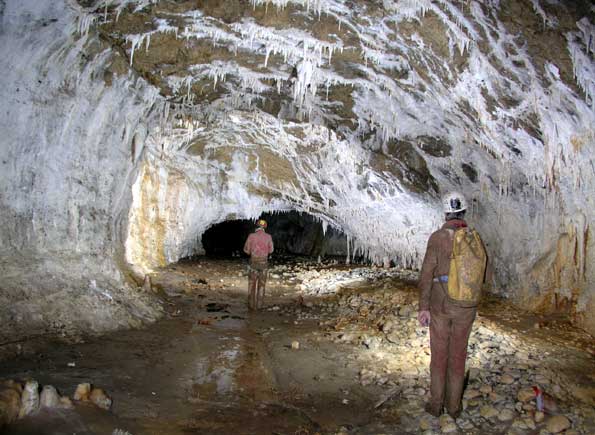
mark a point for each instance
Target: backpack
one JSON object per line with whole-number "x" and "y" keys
{"x": 467, "y": 268}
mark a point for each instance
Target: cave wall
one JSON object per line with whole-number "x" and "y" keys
{"x": 133, "y": 126}
{"x": 65, "y": 178}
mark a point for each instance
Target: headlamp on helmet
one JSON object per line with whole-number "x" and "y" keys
{"x": 454, "y": 202}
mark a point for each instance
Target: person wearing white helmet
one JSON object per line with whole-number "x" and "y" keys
{"x": 258, "y": 246}
{"x": 450, "y": 324}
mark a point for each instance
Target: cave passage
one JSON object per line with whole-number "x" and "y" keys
{"x": 294, "y": 234}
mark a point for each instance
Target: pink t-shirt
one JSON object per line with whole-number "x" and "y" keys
{"x": 259, "y": 244}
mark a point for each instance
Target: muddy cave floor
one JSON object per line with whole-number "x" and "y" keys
{"x": 360, "y": 367}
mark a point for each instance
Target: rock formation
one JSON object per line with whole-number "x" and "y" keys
{"x": 132, "y": 126}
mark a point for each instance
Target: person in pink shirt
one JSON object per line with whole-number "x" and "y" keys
{"x": 258, "y": 246}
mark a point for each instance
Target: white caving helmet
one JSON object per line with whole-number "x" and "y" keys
{"x": 454, "y": 202}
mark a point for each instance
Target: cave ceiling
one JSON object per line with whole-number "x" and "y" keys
{"x": 407, "y": 80}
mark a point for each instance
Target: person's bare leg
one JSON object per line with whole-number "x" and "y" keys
{"x": 262, "y": 282}
{"x": 252, "y": 288}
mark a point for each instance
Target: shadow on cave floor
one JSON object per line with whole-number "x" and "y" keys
{"x": 335, "y": 351}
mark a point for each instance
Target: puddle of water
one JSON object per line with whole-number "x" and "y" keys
{"x": 215, "y": 374}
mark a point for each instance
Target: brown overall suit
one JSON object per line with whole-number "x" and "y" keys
{"x": 258, "y": 245}
{"x": 450, "y": 325}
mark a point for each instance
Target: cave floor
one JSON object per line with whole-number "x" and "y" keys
{"x": 358, "y": 365}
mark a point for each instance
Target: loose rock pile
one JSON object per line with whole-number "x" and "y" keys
{"x": 503, "y": 364}
{"x": 18, "y": 401}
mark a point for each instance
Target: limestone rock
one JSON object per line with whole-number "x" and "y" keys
{"x": 557, "y": 424}
{"x": 471, "y": 394}
{"x": 529, "y": 423}
{"x": 10, "y": 403}
{"x": 506, "y": 415}
{"x": 29, "y": 399}
{"x": 447, "y": 424}
{"x": 486, "y": 389}
{"x": 82, "y": 392}
{"x": 147, "y": 286}
{"x": 506, "y": 379}
{"x": 295, "y": 345}
{"x": 525, "y": 394}
{"x": 425, "y": 424}
{"x": 49, "y": 397}
{"x": 99, "y": 398}
{"x": 66, "y": 403}
{"x": 519, "y": 424}
{"x": 488, "y": 411}
{"x": 539, "y": 416}
{"x": 13, "y": 385}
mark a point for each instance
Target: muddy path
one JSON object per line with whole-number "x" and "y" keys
{"x": 209, "y": 366}
{"x": 310, "y": 363}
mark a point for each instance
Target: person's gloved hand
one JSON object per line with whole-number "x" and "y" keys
{"x": 424, "y": 317}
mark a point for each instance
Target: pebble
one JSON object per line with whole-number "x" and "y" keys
{"x": 502, "y": 364}
{"x": 425, "y": 424}
{"x": 519, "y": 424}
{"x": 525, "y": 394}
{"x": 471, "y": 394}
{"x": 506, "y": 379}
{"x": 488, "y": 411}
{"x": 557, "y": 424}
{"x": 486, "y": 389}
{"x": 295, "y": 345}
{"x": 506, "y": 415}
{"x": 529, "y": 423}
{"x": 447, "y": 424}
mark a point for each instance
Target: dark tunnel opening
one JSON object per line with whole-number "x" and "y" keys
{"x": 293, "y": 233}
